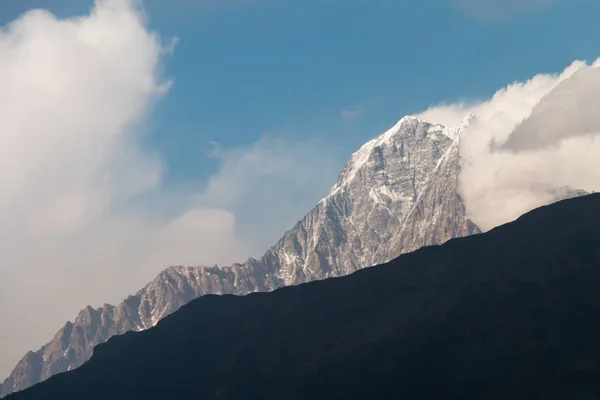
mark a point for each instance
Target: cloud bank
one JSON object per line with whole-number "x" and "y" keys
{"x": 85, "y": 217}
{"x": 527, "y": 140}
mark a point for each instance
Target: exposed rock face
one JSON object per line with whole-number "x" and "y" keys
{"x": 396, "y": 194}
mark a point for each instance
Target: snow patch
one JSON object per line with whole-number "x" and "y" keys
{"x": 384, "y": 190}
{"x": 374, "y": 196}
{"x": 288, "y": 259}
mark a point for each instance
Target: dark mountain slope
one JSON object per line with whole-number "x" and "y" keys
{"x": 509, "y": 314}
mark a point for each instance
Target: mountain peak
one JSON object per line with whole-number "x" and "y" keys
{"x": 408, "y": 132}
{"x": 397, "y": 193}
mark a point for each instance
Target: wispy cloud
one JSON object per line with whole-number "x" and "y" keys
{"x": 353, "y": 112}
{"x": 501, "y": 10}
{"x": 271, "y": 184}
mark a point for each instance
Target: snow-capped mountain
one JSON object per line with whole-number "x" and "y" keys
{"x": 396, "y": 194}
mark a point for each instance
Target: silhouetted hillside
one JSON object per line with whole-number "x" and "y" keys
{"x": 510, "y": 314}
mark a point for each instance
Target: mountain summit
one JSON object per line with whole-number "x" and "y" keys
{"x": 397, "y": 193}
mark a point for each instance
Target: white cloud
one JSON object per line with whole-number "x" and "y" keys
{"x": 501, "y": 10}
{"x": 84, "y": 215}
{"x": 528, "y": 139}
{"x": 570, "y": 110}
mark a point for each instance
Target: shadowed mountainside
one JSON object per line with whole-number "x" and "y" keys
{"x": 508, "y": 314}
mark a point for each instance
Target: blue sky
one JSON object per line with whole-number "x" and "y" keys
{"x": 268, "y": 100}
{"x": 245, "y": 68}
{"x": 291, "y": 68}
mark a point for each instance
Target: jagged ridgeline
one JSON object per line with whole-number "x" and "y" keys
{"x": 397, "y": 193}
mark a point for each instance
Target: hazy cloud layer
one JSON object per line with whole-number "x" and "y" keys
{"x": 528, "y": 139}
{"x": 501, "y": 10}
{"x": 84, "y": 214}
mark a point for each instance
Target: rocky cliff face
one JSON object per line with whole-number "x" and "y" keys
{"x": 396, "y": 194}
